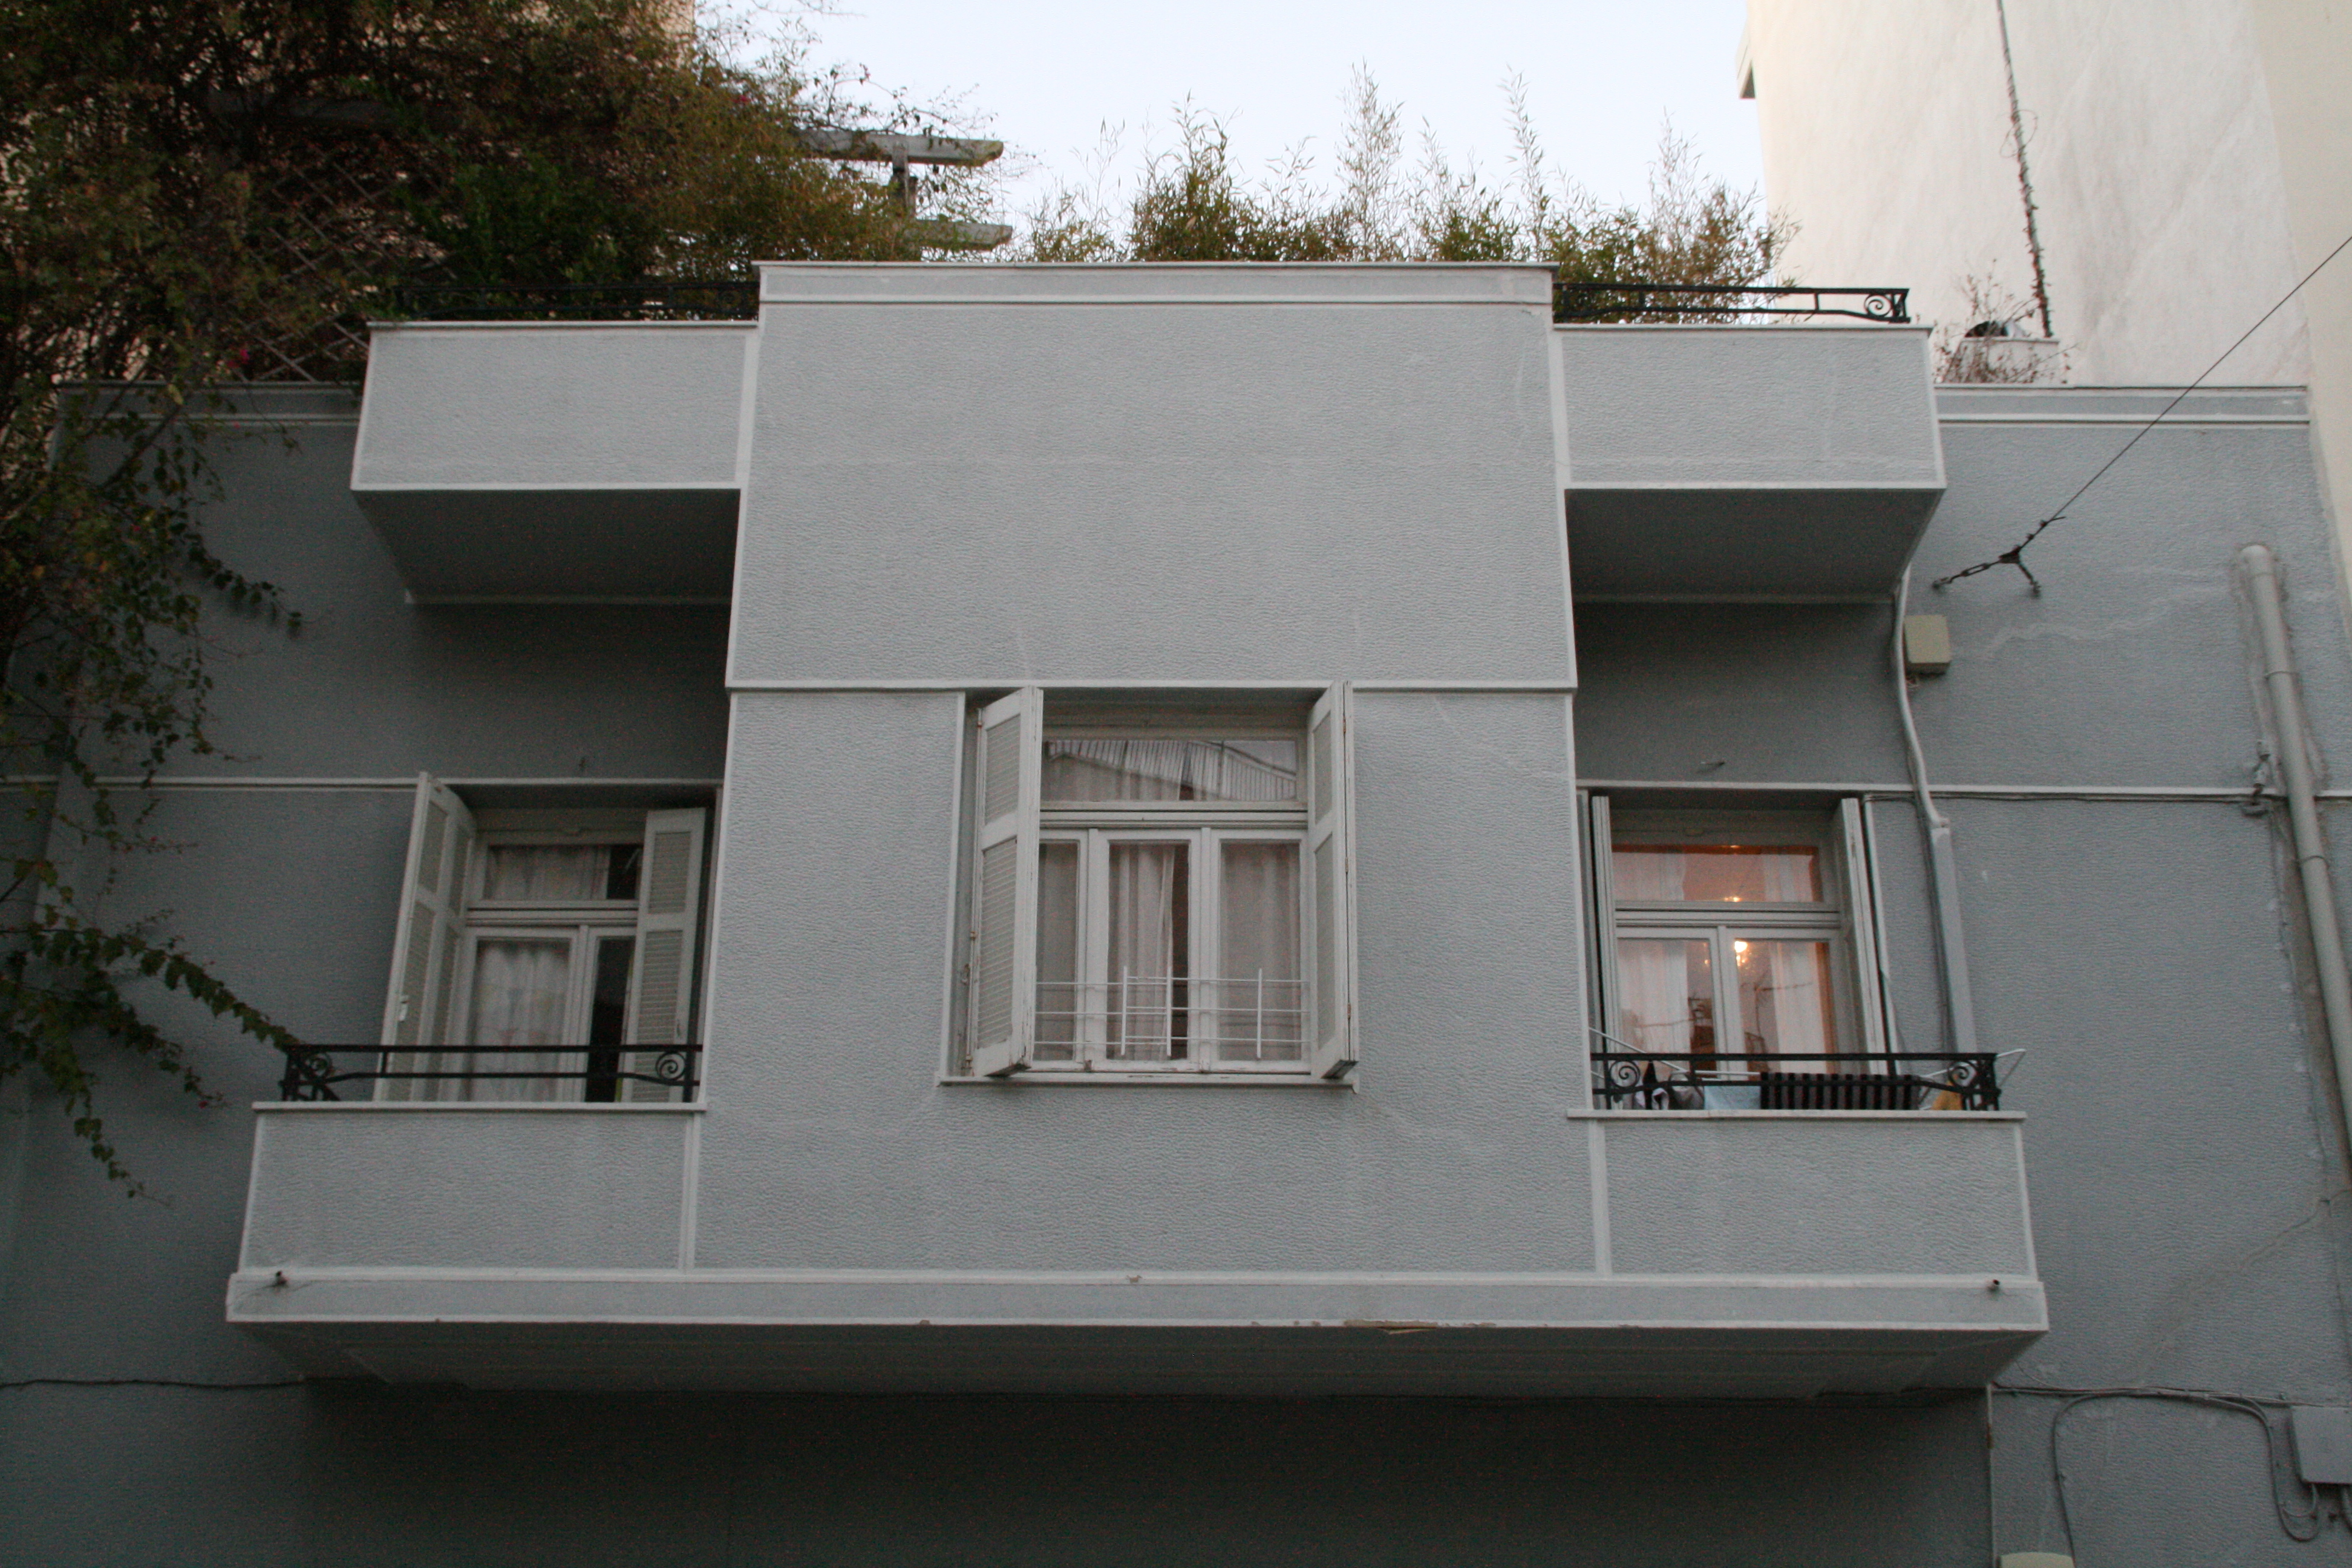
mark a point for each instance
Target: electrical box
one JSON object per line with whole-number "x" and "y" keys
{"x": 1927, "y": 644}
{"x": 2322, "y": 1443}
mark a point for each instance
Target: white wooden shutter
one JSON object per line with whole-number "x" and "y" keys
{"x": 1601, "y": 871}
{"x": 669, "y": 908}
{"x": 1331, "y": 878}
{"x": 418, "y": 1004}
{"x": 1002, "y": 994}
{"x": 1862, "y": 925}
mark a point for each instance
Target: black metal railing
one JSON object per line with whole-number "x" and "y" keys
{"x": 648, "y": 299}
{"x": 1637, "y": 301}
{"x": 1903, "y": 1080}
{"x": 604, "y": 1073}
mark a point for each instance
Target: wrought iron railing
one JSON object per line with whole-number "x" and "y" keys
{"x": 460, "y": 1073}
{"x": 1638, "y": 302}
{"x": 648, "y": 299}
{"x": 1903, "y": 1080}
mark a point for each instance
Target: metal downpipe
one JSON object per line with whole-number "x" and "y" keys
{"x": 2283, "y": 686}
{"x": 1943, "y": 870}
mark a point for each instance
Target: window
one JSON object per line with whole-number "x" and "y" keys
{"x": 1731, "y": 939}
{"x": 558, "y": 939}
{"x": 1161, "y": 897}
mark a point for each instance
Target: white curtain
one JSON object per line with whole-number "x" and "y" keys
{"x": 1260, "y": 996}
{"x": 1058, "y": 994}
{"x": 1718, "y": 873}
{"x": 553, "y": 871}
{"x": 1148, "y": 889}
{"x": 522, "y": 992}
{"x": 1786, "y": 1001}
{"x": 1665, "y": 995}
{"x": 1114, "y": 770}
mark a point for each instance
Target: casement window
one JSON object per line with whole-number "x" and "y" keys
{"x": 566, "y": 939}
{"x": 1731, "y": 935}
{"x": 1167, "y": 895}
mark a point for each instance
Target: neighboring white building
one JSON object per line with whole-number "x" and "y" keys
{"x": 2188, "y": 160}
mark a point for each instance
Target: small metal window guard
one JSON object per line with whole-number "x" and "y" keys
{"x": 1852, "y": 1081}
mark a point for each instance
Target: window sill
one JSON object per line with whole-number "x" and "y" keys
{"x": 1152, "y": 1081}
{"x": 1631, "y": 1115}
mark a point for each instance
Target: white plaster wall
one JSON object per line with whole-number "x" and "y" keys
{"x": 620, "y": 406}
{"x": 2157, "y": 176}
{"x": 1152, "y": 473}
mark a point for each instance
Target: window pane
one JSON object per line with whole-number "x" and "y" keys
{"x": 1058, "y": 952}
{"x": 1085, "y": 771}
{"x": 1666, "y": 995}
{"x": 1718, "y": 873}
{"x": 608, "y": 1012}
{"x": 1259, "y": 993}
{"x": 1786, "y": 1001}
{"x": 566, "y": 871}
{"x": 1150, "y": 951}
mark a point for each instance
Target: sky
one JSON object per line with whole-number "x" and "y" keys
{"x": 1046, "y": 76}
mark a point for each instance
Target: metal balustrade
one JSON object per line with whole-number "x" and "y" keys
{"x": 1163, "y": 1020}
{"x": 458, "y": 1074}
{"x": 1852, "y": 1081}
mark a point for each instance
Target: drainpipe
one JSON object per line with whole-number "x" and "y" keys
{"x": 2285, "y": 689}
{"x": 1944, "y": 875}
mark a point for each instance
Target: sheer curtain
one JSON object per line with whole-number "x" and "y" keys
{"x": 1150, "y": 949}
{"x": 1258, "y": 1005}
{"x": 1666, "y": 995}
{"x": 565, "y": 871}
{"x": 522, "y": 992}
{"x": 1112, "y": 770}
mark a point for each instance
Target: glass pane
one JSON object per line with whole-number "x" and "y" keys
{"x": 1058, "y": 952}
{"x": 522, "y": 987}
{"x": 622, "y": 862}
{"x": 608, "y": 1012}
{"x": 1666, "y": 995}
{"x": 1259, "y": 994}
{"x": 574, "y": 872}
{"x": 1150, "y": 951}
{"x": 1718, "y": 873}
{"x": 1786, "y": 1001}
{"x": 1084, "y": 771}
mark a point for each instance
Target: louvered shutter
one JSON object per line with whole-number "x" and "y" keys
{"x": 1600, "y": 839}
{"x": 1331, "y": 878}
{"x": 419, "y": 1005}
{"x": 1003, "y": 996}
{"x": 1862, "y": 924}
{"x": 669, "y": 906}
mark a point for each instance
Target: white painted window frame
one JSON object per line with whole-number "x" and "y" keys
{"x": 1206, "y": 825}
{"x": 1847, "y": 918}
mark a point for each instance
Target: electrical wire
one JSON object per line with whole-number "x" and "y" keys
{"x": 2015, "y": 554}
{"x": 2298, "y": 1526}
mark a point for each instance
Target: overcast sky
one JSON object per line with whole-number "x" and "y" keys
{"x": 1047, "y": 75}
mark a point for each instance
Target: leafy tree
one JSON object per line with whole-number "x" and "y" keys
{"x": 1194, "y": 205}
{"x": 195, "y": 192}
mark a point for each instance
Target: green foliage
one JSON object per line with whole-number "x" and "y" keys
{"x": 195, "y": 192}
{"x": 1194, "y": 204}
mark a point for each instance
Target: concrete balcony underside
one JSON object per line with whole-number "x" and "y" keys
{"x": 1225, "y": 1333}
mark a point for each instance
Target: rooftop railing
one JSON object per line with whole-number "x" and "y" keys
{"x": 1636, "y": 302}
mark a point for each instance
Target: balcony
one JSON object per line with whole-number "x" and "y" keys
{"x": 1738, "y": 462}
{"x": 538, "y": 460}
{"x": 552, "y": 1244}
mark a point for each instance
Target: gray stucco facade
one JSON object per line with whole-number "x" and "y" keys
{"x": 855, "y": 1301}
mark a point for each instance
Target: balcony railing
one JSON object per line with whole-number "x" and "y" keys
{"x": 1167, "y": 1021}
{"x": 1637, "y": 301}
{"x": 1644, "y": 1081}
{"x": 462, "y": 1074}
